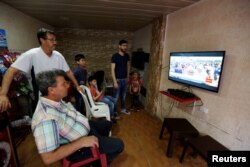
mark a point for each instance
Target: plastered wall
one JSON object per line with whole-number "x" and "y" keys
{"x": 206, "y": 26}
{"x": 20, "y": 29}
{"x": 142, "y": 39}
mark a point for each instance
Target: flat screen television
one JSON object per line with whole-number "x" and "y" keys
{"x": 198, "y": 69}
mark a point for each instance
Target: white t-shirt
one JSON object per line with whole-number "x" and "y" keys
{"x": 41, "y": 62}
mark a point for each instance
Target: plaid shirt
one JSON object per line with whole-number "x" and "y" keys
{"x": 56, "y": 123}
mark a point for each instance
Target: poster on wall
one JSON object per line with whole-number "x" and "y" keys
{"x": 3, "y": 40}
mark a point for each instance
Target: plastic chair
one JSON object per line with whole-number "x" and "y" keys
{"x": 94, "y": 109}
{"x": 96, "y": 155}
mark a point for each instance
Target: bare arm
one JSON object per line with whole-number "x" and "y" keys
{"x": 113, "y": 75}
{"x": 73, "y": 79}
{"x": 97, "y": 96}
{"x": 66, "y": 150}
{"x": 7, "y": 79}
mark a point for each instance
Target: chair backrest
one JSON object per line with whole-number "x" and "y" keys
{"x": 87, "y": 105}
{"x": 96, "y": 155}
{"x": 98, "y": 109}
{"x": 88, "y": 96}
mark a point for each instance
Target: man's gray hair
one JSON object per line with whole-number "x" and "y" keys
{"x": 46, "y": 79}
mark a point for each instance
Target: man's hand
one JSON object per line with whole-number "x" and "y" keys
{"x": 79, "y": 89}
{"x": 89, "y": 141}
{"x": 115, "y": 85}
{"x": 4, "y": 103}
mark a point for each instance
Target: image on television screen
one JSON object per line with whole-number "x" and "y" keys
{"x": 199, "y": 69}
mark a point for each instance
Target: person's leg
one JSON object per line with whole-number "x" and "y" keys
{"x": 137, "y": 102}
{"x": 123, "y": 94}
{"x": 131, "y": 102}
{"x": 116, "y": 116}
{"x": 110, "y": 103}
{"x": 111, "y": 99}
{"x": 110, "y": 146}
{"x": 103, "y": 127}
{"x": 80, "y": 155}
{"x": 117, "y": 92}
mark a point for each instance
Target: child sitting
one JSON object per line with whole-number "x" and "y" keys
{"x": 99, "y": 97}
{"x": 134, "y": 89}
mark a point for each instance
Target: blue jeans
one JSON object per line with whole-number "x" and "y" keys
{"x": 122, "y": 90}
{"x": 110, "y": 101}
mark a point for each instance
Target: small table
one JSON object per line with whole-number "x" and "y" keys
{"x": 202, "y": 145}
{"x": 178, "y": 128}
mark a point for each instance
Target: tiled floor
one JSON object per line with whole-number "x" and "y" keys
{"x": 143, "y": 148}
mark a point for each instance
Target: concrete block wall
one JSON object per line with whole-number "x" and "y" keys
{"x": 97, "y": 46}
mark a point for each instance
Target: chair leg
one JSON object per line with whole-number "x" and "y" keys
{"x": 66, "y": 163}
{"x": 183, "y": 153}
{"x": 171, "y": 143}
{"x": 103, "y": 160}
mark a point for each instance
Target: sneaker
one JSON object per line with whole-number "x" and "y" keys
{"x": 131, "y": 109}
{"x": 117, "y": 117}
{"x": 124, "y": 111}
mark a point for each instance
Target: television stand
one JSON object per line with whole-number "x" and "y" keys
{"x": 186, "y": 88}
{"x": 176, "y": 101}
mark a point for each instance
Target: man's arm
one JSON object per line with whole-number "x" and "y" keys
{"x": 65, "y": 150}
{"x": 97, "y": 96}
{"x": 71, "y": 76}
{"x": 113, "y": 75}
{"x": 7, "y": 79}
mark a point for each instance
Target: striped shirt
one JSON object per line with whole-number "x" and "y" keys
{"x": 56, "y": 123}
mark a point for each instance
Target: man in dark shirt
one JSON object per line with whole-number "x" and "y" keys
{"x": 120, "y": 69}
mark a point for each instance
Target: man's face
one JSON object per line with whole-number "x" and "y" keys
{"x": 123, "y": 47}
{"x": 49, "y": 42}
{"x": 82, "y": 62}
{"x": 61, "y": 89}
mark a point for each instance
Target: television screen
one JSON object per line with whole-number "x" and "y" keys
{"x": 198, "y": 69}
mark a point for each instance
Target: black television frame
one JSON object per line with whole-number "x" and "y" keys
{"x": 198, "y": 54}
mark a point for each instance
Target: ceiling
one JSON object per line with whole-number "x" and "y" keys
{"x": 129, "y": 15}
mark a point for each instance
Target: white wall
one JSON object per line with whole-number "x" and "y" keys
{"x": 142, "y": 38}
{"x": 215, "y": 25}
{"x": 20, "y": 29}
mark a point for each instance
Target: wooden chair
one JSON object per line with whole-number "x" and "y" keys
{"x": 96, "y": 155}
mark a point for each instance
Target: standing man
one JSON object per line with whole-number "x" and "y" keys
{"x": 120, "y": 69}
{"x": 40, "y": 59}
